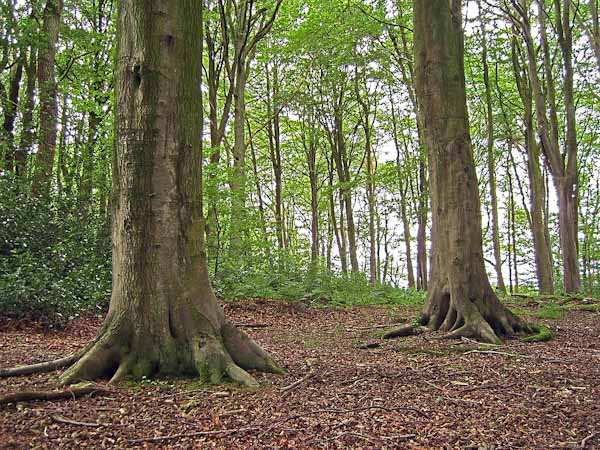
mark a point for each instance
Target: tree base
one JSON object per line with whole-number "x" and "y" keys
{"x": 483, "y": 317}
{"x": 204, "y": 350}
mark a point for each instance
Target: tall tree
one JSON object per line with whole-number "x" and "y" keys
{"x": 245, "y": 25}
{"x": 562, "y": 164}
{"x": 491, "y": 157}
{"x": 163, "y": 316}
{"x": 460, "y": 299}
{"x": 47, "y": 92}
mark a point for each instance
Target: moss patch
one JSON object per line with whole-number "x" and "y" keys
{"x": 544, "y": 334}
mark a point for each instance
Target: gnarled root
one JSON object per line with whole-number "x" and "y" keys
{"x": 482, "y": 318}
{"x": 210, "y": 354}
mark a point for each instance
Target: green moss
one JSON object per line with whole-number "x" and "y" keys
{"x": 544, "y": 334}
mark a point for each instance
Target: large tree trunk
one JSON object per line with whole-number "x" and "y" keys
{"x": 47, "y": 92}
{"x": 460, "y": 299}
{"x": 163, "y": 317}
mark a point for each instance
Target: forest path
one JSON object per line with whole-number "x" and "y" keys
{"x": 412, "y": 392}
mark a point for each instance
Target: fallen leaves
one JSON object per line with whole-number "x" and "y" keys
{"x": 416, "y": 392}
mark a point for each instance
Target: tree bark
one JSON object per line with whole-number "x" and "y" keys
{"x": 163, "y": 318}
{"x": 47, "y": 92}
{"x": 26, "y": 138}
{"x": 460, "y": 299}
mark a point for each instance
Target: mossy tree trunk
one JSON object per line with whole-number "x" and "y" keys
{"x": 460, "y": 299}
{"x": 163, "y": 318}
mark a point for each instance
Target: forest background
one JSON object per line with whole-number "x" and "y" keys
{"x": 315, "y": 172}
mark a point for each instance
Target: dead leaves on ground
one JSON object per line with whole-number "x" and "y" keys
{"x": 338, "y": 392}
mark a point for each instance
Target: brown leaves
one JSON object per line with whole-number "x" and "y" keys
{"x": 415, "y": 392}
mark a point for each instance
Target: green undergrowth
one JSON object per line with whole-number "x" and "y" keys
{"x": 552, "y": 307}
{"x": 318, "y": 286}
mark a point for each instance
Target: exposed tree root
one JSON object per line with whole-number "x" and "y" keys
{"x": 481, "y": 317}
{"x": 403, "y": 331}
{"x": 72, "y": 392}
{"x": 48, "y": 366}
{"x": 212, "y": 354}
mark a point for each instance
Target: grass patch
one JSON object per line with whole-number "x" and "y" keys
{"x": 551, "y": 311}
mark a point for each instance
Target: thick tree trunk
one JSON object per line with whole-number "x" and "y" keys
{"x": 163, "y": 317}
{"x": 460, "y": 299}
{"x": 47, "y": 93}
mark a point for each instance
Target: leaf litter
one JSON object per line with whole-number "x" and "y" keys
{"x": 339, "y": 391}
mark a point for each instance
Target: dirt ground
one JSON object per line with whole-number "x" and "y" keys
{"x": 415, "y": 392}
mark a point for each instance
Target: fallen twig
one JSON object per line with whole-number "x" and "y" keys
{"x": 253, "y": 325}
{"x": 67, "y": 421}
{"x": 297, "y": 383}
{"x": 585, "y": 440}
{"x": 72, "y": 392}
{"x": 372, "y": 327}
{"x": 273, "y": 425}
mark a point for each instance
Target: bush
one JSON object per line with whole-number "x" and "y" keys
{"x": 55, "y": 258}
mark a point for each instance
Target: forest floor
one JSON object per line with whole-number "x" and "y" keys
{"x": 414, "y": 392}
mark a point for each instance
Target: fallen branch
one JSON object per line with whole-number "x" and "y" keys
{"x": 72, "y": 392}
{"x": 372, "y": 327}
{"x": 297, "y": 383}
{"x": 48, "y": 366}
{"x": 67, "y": 421}
{"x": 369, "y": 345}
{"x": 253, "y": 325}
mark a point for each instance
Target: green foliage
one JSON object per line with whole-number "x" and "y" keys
{"x": 55, "y": 260}
{"x": 288, "y": 278}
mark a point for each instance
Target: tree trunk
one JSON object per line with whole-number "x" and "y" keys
{"x": 10, "y": 112}
{"x": 47, "y": 93}
{"x": 562, "y": 169}
{"x": 537, "y": 189}
{"x": 163, "y": 318}
{"x": 273, "y": 131}
{"x": 26, "y": 138}
{"x": 460, "y": 299}
{"x": 491, "y": 158}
